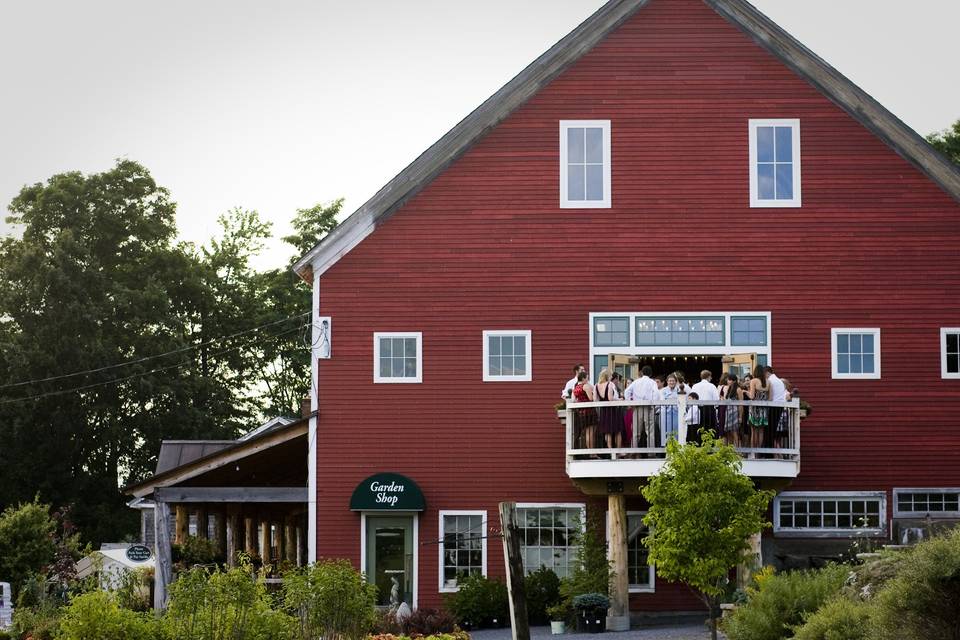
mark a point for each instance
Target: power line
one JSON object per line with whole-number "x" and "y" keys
{"x": 135, "y": 375}
{"x": 159, "y": 355}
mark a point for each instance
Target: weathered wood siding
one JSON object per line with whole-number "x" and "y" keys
{"x": 486, "y": 246}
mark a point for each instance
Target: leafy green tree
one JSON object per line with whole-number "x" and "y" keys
{"x": 947, "y": 142}
{"x": 702, "y": 513}
{"x": 27, "y": 544}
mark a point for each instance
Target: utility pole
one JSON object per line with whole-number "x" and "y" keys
{"x": 519, "y": 623}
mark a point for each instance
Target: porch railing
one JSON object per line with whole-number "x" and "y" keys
{"x": 779, "y": 442}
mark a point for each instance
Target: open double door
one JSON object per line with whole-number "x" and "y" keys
{"x": 628, "y": 366}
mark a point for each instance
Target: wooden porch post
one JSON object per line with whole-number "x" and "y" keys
{"x": 250, "y": 535}
{"x": 281, "y": 541}
{"x": 183, "y": 524}
{"x": 290, "y": 543}
{"x": 753, "y": 562}
{"x": 221, "y": 529}
{"x": 618, "y": 618}
{"x": 202, "y": 521}
{"x": 233, "y": 534}
{"x": 163, "y": 574}
{"x": 265, "y": 540}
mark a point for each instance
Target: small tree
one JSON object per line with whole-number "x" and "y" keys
{"x": 702, "y": 512}
{"x": 27, "y": 542}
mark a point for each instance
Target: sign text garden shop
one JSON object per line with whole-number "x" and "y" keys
{"x": 387, "y": 492}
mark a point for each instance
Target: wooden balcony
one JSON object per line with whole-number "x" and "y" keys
{"x": 591, "y": 465}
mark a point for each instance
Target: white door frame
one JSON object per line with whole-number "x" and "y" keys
{"x": 416, "y": 544}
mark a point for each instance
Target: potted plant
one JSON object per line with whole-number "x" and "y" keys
{"x": 558, "y": 614}
{"x": 592, "y": 611}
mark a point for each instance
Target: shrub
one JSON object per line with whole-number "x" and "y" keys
{"x": 97, "y": 615}
{"x": 591, "y": 601}
{"x": 331, "y": 599}
{"x": 781, "y": 601}
{"x": 386, "y": 624}
{"x": 868, "y": 579}
{"x": 838, "y": 619}
{"x": 133, "y": 591}
{"x": 27, "y": 542}
{"x": 923, "y": 601}
{"x": 216, "y": 605}
{"x": 5, "y": 636}
{"x": 592, "y": 572}
{"x": 543, "y": 591}
{"x": 39, "y": 623}
{"x": 479, "y": 602}
{"x": 194, "y": 551}
{"x": 428, "y": 622}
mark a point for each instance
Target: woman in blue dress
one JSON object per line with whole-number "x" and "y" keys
{"x": 668, "y": 414}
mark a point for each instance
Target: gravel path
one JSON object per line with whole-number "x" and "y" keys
{"x": 681, "y": 632}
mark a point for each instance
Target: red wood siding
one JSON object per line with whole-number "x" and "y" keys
{"x": 485, "y": 246}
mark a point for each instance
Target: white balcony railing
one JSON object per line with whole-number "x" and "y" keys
{"x": 778, "y": 455}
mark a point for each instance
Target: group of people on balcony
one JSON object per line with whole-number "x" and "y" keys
{"x": 652, "y": 426}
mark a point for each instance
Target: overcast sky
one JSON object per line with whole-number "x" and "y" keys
{"x": 276, "y": 106}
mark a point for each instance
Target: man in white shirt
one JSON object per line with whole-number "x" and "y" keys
{"x": 643, "y": 389}
{"x": 567, "y": 393}
{"x": 706, "y": 392}
{"x": 778, "y": 393}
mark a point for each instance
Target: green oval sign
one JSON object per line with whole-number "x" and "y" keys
{"x": 138, "y": 553}
{"x": 387, "y": 492}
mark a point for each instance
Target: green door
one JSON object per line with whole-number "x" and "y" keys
{"x": 390, "y": 558}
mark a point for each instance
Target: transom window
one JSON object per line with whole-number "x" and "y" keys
{"x": 611, "y": 331}
{"x": 684, "y": 331}
{"x": 506, "y": 356}
{"x": 841, "y": 513}
{"x": 950, "y": 353}
{"x": 549, "y": 537}
{"x": 774, "y": 163}
{"x": 856, "y": 353}
{"x": 397, "y": 357}
{"x": 464, "y": 546}
{"x": 748, "y": 331}
{"x": 585, "y": 163}
{"x": 919, "y": 503}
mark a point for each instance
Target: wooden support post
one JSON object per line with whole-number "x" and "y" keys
{"x": 514, "y": 563}
{"x": 163, "y": 573}
{"x": 290, "y": 542}
{"x": 752, "y": 562}
{"x": 221, "y": 529}
{"x": 618, "y": 617}
{"x": 265, "y": 540}
{"x": 202, "y": 521}
{"x": 281, "y": 541}
{"x": 234, "y": 539}
{"x": 183, "y": 524}
{"x": 250, "y": 536}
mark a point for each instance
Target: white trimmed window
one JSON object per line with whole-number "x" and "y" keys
{"x": 463, "y": 548}
{"x": 856, "y": 353}
{"x": 550, "y": 536}
{"x": 923, "y": 503}
{"x": 506, "y": 356}
{"x": 829, "y": 514}
{"x": 641, "y": 574}
{"x": 775, "y": 163}
{"x": 585, "y": 164}
{"x": 950, "y": 353}
{"x": 398, "y": 357}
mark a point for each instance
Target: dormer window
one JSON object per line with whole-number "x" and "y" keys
{"x": 585, "y": 164}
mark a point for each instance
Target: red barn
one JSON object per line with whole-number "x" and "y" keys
{"x": 676, "y": 183}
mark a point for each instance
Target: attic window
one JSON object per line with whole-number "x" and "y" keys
{"x": 585, "y": 164}
{"x": 775, "y": 163}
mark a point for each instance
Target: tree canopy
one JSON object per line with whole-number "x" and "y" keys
{"x": 702, "y": 513}
{"x": 947, "y": 142}
{"x": 98, "y": 279}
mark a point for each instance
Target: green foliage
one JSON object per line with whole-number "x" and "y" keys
{"x": 866, "y": 580}
{"x": 591, "y": 601}
{"x": 195, "y": 550}
{"x": 591, "y": 570}
{"x": 133, "y": 591}
{"x": 311, "y": 225}
{"x": 222, "y": 605}
{"x": 331, "y": 599}
{"x": 781, "y": 602}
{"x": 479, "y": 602}
{"x": 4, "y": 635}
{"x": 838, "y": 619}
{"x": 560, "y": 612}
{"x": 947, "y": 142}
{"x": 97, "y": 616}
{"x": 702, "y": 512}
{"x": 923, "y": 601}
{"x": 27, "y": 544}
{"x": 40, "y": 622}
{"x": 542, "y": 588}
{"x": 427, "y": 622}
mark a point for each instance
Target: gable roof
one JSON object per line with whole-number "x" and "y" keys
{"x": 766, "y": 33}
